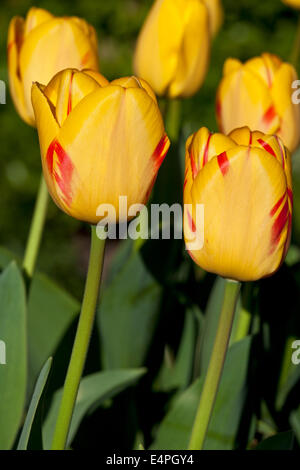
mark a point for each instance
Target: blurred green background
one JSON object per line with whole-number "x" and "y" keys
{"x": 251, "y": 27}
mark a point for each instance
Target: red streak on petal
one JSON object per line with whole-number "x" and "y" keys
{"x": 10, "y": 45}
{"x": 184, "y": 184}
{"x": 70, "y": 95}
{"x": 281, "y": 152}
{"x": 269, "y": 115}
{"x": 160, "y": 152}
{"x": 205, "y": 156}
{"x": 65, "y": 166}
{"x": 150, "y": 189}
{"x": 85, "y": 59}
{"x": 223, "y": 163}
{"x": 280, "y": 223}
{"x": 267, "y": 147}
{"x": 191, "y": 222}
{"x": 193, "y": 165}
{"x": 290, "y": 195}
{"x": 277, "y": 205}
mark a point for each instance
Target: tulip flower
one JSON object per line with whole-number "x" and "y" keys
{"x": 258, "y": 94}
{"x": 216, "y": 14}
{"x": 292, "y": 3}
{"x": 98, "y": 141}
{"x": 40, "y": 46}
{"x": 173, "y": 48}
{"x": 244, "y": 182}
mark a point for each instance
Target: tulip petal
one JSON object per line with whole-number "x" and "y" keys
{"x": 156, "y": 56}
{"x": 34, "y": 18}
{"x": 111, "y": 123}
{"x": 47, "y": 40}
{"x": 288, "y": 111}
{"x": 216, "y": 15}
{"x": 243, "y": 99}
{"x": 192, "y": 66}
{"x": 48, "y": 129}
{"x": 67, "y": 89}
{"x": 14, "y": 43}
{"x": 265, "y": 67}
{"x": 245, "y": 237}
{"x": 204, "y": 146}
{"x": 135, "y": 82}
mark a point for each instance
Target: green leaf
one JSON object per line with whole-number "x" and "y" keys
{"x": 38, "y": 391}
{"x": 51, "y": 310}
{"x": 174, "y": 431}
{"x": 211, "y": 320}
{"x": 6, "y": 257}
{"x": 94, "y": 389}
{"x": 13, "y": 337}
{"x": 179, "y": 375}
{"x": 295, "y": 423}
{"x": 290, "y": 374}
{"x": 127, "y": 315}
{"x": 281, "y": 441}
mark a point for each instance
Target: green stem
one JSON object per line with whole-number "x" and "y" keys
{"x": 243, "y": 321}
{"x": 173, "y": 119}
{"x": 215, "y": 368}
{"x": 81, "y": 342}
{"x": 36, "y": 228}
{"x": 296, "y": 47}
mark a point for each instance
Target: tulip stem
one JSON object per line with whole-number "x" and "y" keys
{"x": 36, "y": 228}
{"x": 173, "y": 119}
{"x": 81, "y": 343}
{"x": 215, "y": 368}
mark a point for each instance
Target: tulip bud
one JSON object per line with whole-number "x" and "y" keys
{"x": 244, "y": 182}
{"x": 292, "y": 3}
{"x": 42, "y": 45}
{"x": 258, "y": 94}
{"x": 216, "y": 15}
{"x": 98, "y": 141}
{"x": 173, "y": 48}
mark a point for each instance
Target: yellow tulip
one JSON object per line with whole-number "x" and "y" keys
{"x": 98, "y": 141}
{"x": 42, "y": 45}
{"x": 216, "y": 15}
{"x": 173, "y": 48}
{"x": 258, "y": 94}
{"x": 292, "y": 3}
{"x": 244, "y": 182}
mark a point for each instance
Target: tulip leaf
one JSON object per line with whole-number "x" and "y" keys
{"x": 281, "y": 441}
{"x": 290, "y": 374}
{"x": 295, "y": 423}
{"x": 38, "y": 391}
{"x": 6, "y": 257}
{"x": 174, "y": 431}
{"x": 211, "y": 320}
{"x": 179, "y": 375}
{"x": 93, "y": 389}
{"x": 127, "y": 315}
{"x": 51, "y": 310}
{"x": 13, "y": 363}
